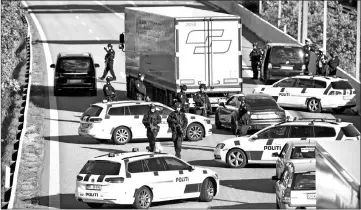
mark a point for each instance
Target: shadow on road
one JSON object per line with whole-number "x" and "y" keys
{"x": 207, "y": 163}
{"x": 72, "y": 139}
{"x": 247, "y": 206}
{"x": 190, "y": 147}
{"x": 107, "y": 150}
{"x": 256, "y": 185}
{"x": 74, "y": 42}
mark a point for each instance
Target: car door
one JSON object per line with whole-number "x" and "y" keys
{"x": 314, "y": 88}
{"x": 118, "y": 116}
{"x": 282, "y": 91}
{"x": 280, "y": 163}
{"x": 137, "y": 112}
{"x": 164, "y": 131}
{"x": 225, "y": 113}
{"x": 265, "y": 61}
{"x": 301, "y": 91}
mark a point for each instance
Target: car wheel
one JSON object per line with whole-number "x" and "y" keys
{"x": 339, "y": 110}
{"x": 217, "y": 122}
{"x": 95, "y": 205}
{"x": 143, "y": 198}
{"x": 314, "y": 105}
{"x": 102, "y": 140}
{"x": 121, "y": 135}
{"x": 236, "y": 158}
{"x": 195, "y": 132}
{"x": 207, "y": 191}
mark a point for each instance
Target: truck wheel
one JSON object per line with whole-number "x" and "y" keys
{"x": 236, "y": 158}
{"x": 217, "y": 122}
{"x": 95, "y": 205}
{"x": 314, "y": 105}
{"x": 143, "y": 198}
{"x": 207, "y": 191}
{"x": 121, "y": 135}
{"x": 195, "y": 132}
{"x": 339, "y": 110}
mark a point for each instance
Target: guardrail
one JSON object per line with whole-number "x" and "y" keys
{"x": 269, "y": 33}
{"x": 11, "y": 174}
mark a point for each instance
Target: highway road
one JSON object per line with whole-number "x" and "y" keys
{"x": 87, "y": 26}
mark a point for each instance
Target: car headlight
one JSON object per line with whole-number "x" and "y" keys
{"x": 220, "y": 146}
{"x": 207, "y": 121}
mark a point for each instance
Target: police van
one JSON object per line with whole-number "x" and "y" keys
{"x": 140, "y": 178}
{"x": 259, "y": 147}
{"x": 315, "y": 93}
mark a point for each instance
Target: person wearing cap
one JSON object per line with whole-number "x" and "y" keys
{"x": 151, "y": 121}
{"x": 255, "y": 57}
{"x": 140, "y": 89}
{"x": 201, "y": 100}
{"x": 109, "y": 91}
{"x": 241, "y": 117}
{"x": 109, "y": 61}
{"x": 178, "y": 122}
{"x": 321, "y": 63}
{"x": 307, "y": 54}
{"x": 182, "y": 98}
{"x": 333, "y": 64}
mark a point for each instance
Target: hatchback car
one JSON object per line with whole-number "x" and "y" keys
{"x": 264, "y": 111}
{"x": 281, "y": 60}
{"x": 75, "y": 71}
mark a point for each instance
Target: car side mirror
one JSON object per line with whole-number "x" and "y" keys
{"x": 52, "y": 66}
{"x": 275, "y": 154}
{"x": 96, "y": 65}
{"x": 191, "y": 168}
{"x": 254, "y": 137}
{"x": 222, "y": 104}
{"x": 275, "y": 178}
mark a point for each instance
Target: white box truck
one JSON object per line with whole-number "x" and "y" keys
{"x": 183, "y": 45}
{"x": 338, "y": 175}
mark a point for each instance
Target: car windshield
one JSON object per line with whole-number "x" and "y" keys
{"x": 303, "y": 152}
{"x": 261, "y": 103}
{"x": 282, "y": 54}
{"x": 75, "y": 65}
{"x": 304, "y": 181}
{"x": 350, "y": 131}
{"x": 341, "y": 85}
{"x": 101, "y": 167}
{"x": 93, "y": 111}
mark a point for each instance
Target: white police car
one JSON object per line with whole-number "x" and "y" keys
{"x": 259, "y": 147}
{"x": 140, "y": 178}
{"x": 121, "y": 121}
{"x": 312, "y": 92}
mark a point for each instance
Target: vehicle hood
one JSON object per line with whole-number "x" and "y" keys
{"x": 194, "y": 116}
{"x": 210, "y": 172}
{"x": 230, "y": 142}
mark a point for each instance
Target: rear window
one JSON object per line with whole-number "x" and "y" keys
{"x": 341, "y": 85}
{"x": 261, "y": 103}
{"x": 303, "y": 152}
{"x": 281, "y": 54}
{"x": 304, "y": 181}
{"x": 101, "y": 167}
{"x": 93, "y": 111}
{"x": 323, "y": 132}
{"x": 350, "y": 131}
{"x": 75, "y": 65}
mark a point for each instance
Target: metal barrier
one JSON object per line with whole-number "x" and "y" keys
{"x": 11, "y": 174}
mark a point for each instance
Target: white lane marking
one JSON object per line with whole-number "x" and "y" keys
{"x": 54, "y": 175}
{"x": 83, "y": 23}
{"x": 77, "y": 17}
{"x": 132, "y": 2}
{"x": 97, "y": 38}
{"x": 90, "y": 31}
{"x": 117, "y": 14}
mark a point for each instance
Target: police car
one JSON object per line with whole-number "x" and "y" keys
{"x": 259, "y": 147}
{"x": 315, "y": 93}
{"x": 121, "y": 121}
{"x": 141, "y": 178}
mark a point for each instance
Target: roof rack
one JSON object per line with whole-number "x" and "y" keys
{"x": 319, "y": 119}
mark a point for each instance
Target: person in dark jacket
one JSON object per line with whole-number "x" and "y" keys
{"x": 182, "y": 98}
{"x": 333, "y": 64}
{"x": 121, "y": 42}
{"x": 201, "y": 100}
{"x": 140, "y": 89}
{"x": 307, "y": 49}
{"x": 151, "y": 121}
{"x": 109, "y": 91}
{"x": 255, "y": 57}
{"x": 178, "y": 122}
{"x": 321, "y": 63}
{"x": 242, "y": 117}
{"x": 109, "y": 61}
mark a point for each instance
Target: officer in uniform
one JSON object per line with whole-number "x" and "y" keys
{"x": 151, "y": 121}
{"x": 182, "y": 98}
{"x": 321, "y": 62}
{"x": 201, "y": 100}
{"x": 140, "y": 89}
{"x": 109, "y": 61}
{"x": 307, "y": 54}
{"x": 242, "y": 117}
{"x": 177, "y": 122}
{"x": 333, "y": 64}
{"x": 109, "y": 91}
{"x": 255, "y": 57}
{"x": 121, "y": 41}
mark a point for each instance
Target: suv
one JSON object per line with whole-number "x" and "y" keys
{"x": 121, "y": 121}
{"x": 281, "y": 60}
{"x": 315, "y": 93}
{"x": 140, "y": 178}
{"x": 75, "y": 71}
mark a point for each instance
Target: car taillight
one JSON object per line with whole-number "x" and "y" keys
{"x": 270, "y": 65}
{"x": 115, "y": 180}
{"x": 95, "y": 120}
{"x": 287, "y": 196}
{"x": 79, "y": 178}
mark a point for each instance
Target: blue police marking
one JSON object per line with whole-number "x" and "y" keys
{"x": 236, "y": 143}
{"x": 182, "y": 179}
{"x": 262, "y": 89}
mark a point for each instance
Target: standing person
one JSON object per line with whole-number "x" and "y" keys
{"x": 109, "y": 61}
{"x": 307, "y": 54}
{"x": 242, "y": 121}
{"x": 178, "y": 123}
{"x": 182, "y": 98}
{"x": 255, "y": 57}
{"x": 151, "y": 121}
{"x": 109, "y": 91}
{"x": 121, "y": 41}
{"x": 321, "y": 62}
{"x": 201, "y": 100}
{"x": 140, "y": 89}
{"x": 333, "y": 64}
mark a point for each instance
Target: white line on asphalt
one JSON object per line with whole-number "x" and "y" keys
{"x": 54, "y": 175}
{"x": 117, "y": 14}
{"x": 97, "y": 38}
{"x": 90, "y": 31}
{"x": 77, "y": 17}
{"x": 83, "y": 23}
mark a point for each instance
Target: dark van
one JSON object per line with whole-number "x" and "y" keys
{"x": 75, "y": 72}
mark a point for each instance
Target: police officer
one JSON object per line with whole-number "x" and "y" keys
{"x": 109, "y": 91}
{"x": 182, "y": 98}
{"x": 321, "y": 63}
{"x": 243, "y": 116}
{"x": 109, "y": 61}
{"x": 177, "y": 122}
{"x": 333, "y": 64}
{"x": 151, "y": 121}
{"x": 121, "y": 41}
{"x": 201, "y": 100}
{"x": 307, "y": 54}
{"x": 255, "y": 57}
{"x": 140, "y": 89}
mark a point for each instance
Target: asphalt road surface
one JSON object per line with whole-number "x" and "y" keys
{"x": 87, "y": 26}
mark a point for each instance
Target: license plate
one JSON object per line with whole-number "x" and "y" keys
{"x": 286, "y": 67}
{"x": 74, "y": 80}
{"x": 347, "y": 97}
{"x": 311, "y": 196}
{"x": 93, "y": 187}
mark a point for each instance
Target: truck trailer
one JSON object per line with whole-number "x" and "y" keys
{"x": 338, "y": 175}
{"x": 179, "y": 45}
